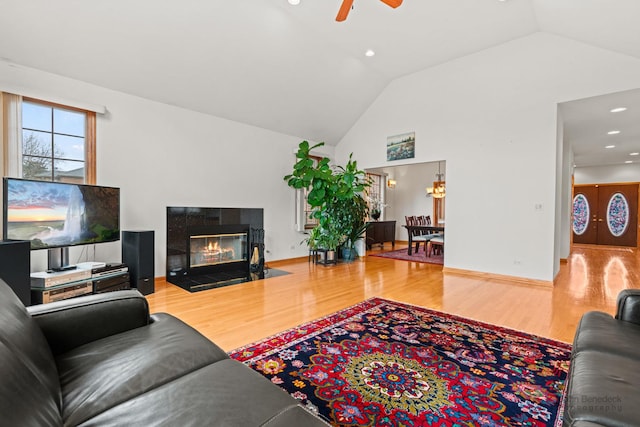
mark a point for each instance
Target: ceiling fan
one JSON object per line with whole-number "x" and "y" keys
{"x": 347, "y": 5}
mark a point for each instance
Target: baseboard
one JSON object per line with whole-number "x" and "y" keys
{"x": 280, "y": 262}
{"x": 500, "y": 277}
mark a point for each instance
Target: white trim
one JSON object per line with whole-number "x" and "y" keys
{"x": 37, "y": 94}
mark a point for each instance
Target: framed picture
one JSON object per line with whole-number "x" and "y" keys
{"x": 401, "y": 146}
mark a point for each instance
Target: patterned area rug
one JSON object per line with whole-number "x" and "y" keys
{"x": 420, "y": 256}
{"x": 383, "y": 363}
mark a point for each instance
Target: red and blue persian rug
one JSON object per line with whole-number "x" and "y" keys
{"x": 419, "y": 256}
{"x": 384, "y": 363}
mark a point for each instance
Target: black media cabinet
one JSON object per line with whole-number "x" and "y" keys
{"x": 379, "y": 232}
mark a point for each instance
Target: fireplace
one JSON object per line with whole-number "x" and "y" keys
{"x": 217, "y": 249}
{"x": 213, "y": 247}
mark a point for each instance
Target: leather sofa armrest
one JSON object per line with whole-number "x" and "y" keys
{"x": 71, "y": 323}
{"x": 628, "y": 306}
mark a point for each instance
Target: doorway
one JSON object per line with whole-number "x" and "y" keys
{"x": 605, "y": 214}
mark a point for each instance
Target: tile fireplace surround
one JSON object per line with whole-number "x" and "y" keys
{"x": 213, "y": 247}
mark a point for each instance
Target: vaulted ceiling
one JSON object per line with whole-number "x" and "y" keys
{"x": 291, "y": 69}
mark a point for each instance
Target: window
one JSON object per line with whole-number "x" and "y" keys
{"x": 58, "y": 143}
{"x": 375, "y": 193}
{"x": 309, "y": 222}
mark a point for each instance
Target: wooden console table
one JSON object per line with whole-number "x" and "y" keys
{"x": 379, "y": 232}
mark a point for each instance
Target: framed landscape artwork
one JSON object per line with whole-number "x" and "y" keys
{"x": 401, "y": 146}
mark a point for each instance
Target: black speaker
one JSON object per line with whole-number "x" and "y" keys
{"x": 137, "y": 254}
{"x": 15, "y": 268}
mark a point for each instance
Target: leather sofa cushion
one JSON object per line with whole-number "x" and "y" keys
{"x": 28, "y": 370}
{"x": 24, "y": 400}
{"x": 70, "y": 323}
{"x": 628, "y": 306}
{"x": 104, "y": 373}
{"x": 600, "y": 331}
{"x": 225, "y": 393}
{"x": 603, "y": 389}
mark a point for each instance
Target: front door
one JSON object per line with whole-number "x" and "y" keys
{"x": 585, "y": 215}
{"x": 606, "y": 214}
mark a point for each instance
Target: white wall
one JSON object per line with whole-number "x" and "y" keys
{"x": 492, "y": 117}
{"x": 160, "y": 156}
{"x": 607, "y": 174}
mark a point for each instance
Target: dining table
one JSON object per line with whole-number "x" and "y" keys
{"x": 439, "y": 228}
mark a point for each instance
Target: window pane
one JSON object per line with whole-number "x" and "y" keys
{"x": 68, "y": 122}
{"x": 35, "y": 116}
{"x": 68, "y": 147}
{"x": 68, "y": 171}
{"x": 55, "y": 141}
{"x": 36, "y": 143}
{"x": 36, "y": 168}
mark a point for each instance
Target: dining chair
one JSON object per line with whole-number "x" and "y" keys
{"x": 417, "y": 235}
{"x": 435, "y": 245}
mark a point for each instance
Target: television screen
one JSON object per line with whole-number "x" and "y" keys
{"x": 55, "y": 214}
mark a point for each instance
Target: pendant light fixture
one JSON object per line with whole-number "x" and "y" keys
{"x": 438, "y": 191}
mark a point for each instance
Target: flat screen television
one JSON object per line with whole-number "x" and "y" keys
{"x": 58, "y": 215}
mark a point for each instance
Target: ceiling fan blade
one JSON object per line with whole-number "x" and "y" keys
{"x": 392, "y": 3}
{"x": 344, "y": 10}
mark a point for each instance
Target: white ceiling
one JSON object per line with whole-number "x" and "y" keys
{"x": 587, "y": 123}
{"x": 291, "y": 69}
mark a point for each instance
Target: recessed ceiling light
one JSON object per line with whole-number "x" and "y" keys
{"x": 369, "y": 53}
{"x": 634, "y": 154}
{"x": 613, "y": 132}
{"x": 628, "y": 161}
{"x": 294, "y": 2}
{"x": 618, "y": 109}
{"x": 610, "y": 146}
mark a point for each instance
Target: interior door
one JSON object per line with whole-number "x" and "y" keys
{"x": 606, "y": 214}
{"x": 618, "y": 215}
{"x": 585, "y": 214}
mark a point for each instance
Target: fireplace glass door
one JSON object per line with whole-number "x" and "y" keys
{"x": 217, "y": 249}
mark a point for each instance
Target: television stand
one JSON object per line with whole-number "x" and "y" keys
{"x": 64, "y": 268}
{"x": 58, "y": 259}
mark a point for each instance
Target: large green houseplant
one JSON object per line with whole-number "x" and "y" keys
{"x": 349, "y": 217}
{"x": 334, "y": 195}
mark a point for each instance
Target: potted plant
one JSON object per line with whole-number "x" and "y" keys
{"x": 312, "y": 239}
{"x": 329, "y": 239}
{"x": 350, "y": 253}
{"x": 333, "y": 191}
{"x": 349, "y": 217}
{"x": 376, "y": 207}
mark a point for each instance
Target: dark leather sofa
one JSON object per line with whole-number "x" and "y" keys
{"x": 104, "y": 360}
{"x": 603, "y": 386}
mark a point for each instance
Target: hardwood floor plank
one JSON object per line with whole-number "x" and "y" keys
{"x": 237, "y": 315}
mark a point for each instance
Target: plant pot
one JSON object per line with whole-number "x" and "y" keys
{"x": 361, "y": 248}
{"x": 348, "y": 254}
{"x": 330, "y": 256}
{"x": 375, "y": 215}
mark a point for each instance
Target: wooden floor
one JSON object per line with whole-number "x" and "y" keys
{"x": 239, "y": 314}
